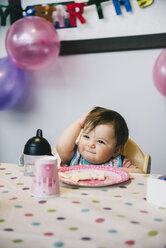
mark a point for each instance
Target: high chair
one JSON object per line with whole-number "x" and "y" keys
{"x": 136, "y": 156}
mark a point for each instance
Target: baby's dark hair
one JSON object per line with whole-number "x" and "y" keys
{"x": 99, "y": 115}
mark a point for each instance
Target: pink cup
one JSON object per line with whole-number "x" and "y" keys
{"x": 45, "y": 183}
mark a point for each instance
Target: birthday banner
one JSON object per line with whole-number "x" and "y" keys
{"x": 96, "y": 25}
{"x": 94, "y": 18}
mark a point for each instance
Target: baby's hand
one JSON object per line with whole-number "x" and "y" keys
{"x": 82, "y": 119}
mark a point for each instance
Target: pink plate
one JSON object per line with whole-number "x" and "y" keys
{"x": 113, "y": 175}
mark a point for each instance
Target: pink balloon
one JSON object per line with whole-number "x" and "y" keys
{"x": 159, "y": 73}
{"x": 32, "y": 43}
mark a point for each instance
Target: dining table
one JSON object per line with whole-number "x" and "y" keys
{"x": 110, "y": 216}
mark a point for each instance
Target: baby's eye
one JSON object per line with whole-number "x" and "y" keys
{"x": 86, "y": 136}
{"x": 101, "y": 142}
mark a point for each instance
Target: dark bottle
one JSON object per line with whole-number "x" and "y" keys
{"x": 35, "y": 148}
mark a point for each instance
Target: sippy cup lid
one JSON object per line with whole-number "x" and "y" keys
{"x": 37, "y": 145}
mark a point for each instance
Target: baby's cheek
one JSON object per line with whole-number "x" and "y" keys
{"x": 80, "y": 145}
{"x": 104, "y": 154}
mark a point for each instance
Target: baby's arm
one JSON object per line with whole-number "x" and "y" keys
{"x": 66, "y": 143}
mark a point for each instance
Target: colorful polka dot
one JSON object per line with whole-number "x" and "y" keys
{"x": 95, "y": 201}
{"x": 128, "y": 203}
{"x": 51, "y": 210}
{"x": 162, "y": 208}
{"x": 28, "y": 215}
{"x": 123, "y": 187}
{"x": 48, "y": 234}
{"x": 134, "y": 222}
{"x": 130, "y": 242}
{"x": 5, "y": 191}
{"x": 8, "y": 229}
{"x": 105, "y": 190}
{"x": 18, "y": 206}
{"x": 112, "y": 231}
{"x": 43, "y": 201}
{"x": 144, "y": 211}
{"x": 76, "y": 202}
{"x": 58, "y": 244}
{"x": 8, "y": 173}
{"x": 25, "y": 188}
{"x": 61, "y": 218}
{"x": 86, "y": 238}
{"x": 140, "y": 184}
{"x": 17, "y": 241}
{"x": 35, "y": 223}
{"x": 2, "y": 220}
{"x": 84, "y": 210}
{"x": 121, "y": 216}
{"x": 100, "y": 220}
{"x": 19, "y": 183}
{"x": 152, "y": 233}
{"x": 73, "y": 228}
{"x": 75, "y": 187}
{"x": 158, "y": 220}
{"x": 108, "y": 208}
{"x": 13, "y": 198}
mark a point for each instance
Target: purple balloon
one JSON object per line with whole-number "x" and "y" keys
{"x": 159, "y": 73}
{"x": 32, "y": 43}
{"x": 12, "y": 83}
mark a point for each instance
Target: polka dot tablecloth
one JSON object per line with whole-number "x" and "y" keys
{"x": 103, "y": 217}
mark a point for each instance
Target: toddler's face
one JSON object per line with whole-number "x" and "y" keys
{"x": 99, "y": 145}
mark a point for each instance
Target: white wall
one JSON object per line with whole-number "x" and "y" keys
{"x": 73, "y": 85}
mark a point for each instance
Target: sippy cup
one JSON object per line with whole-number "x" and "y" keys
{"x": 45, "y": 181}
